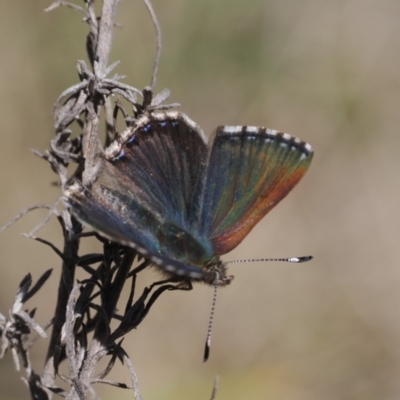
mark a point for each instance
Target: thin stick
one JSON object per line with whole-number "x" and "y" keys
{"x": 215, "y": 388}
{"x": 159, "y": 44}
{"x": 134, "y": 378}
{"x": 39, "y": 226}
{"x": 23, "y": 213}
{"x": 106, "y": 29}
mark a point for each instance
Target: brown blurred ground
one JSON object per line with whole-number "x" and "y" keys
{"x": 327, "y": 71}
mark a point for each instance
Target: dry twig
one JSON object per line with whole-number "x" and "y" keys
{"x": 81, "y": 327}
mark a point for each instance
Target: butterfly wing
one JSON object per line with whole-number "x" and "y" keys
{"x": 147, "y": 190}
{"x": 161, "y": 163}
{"x": 96, "y": 212}
{"x": 250, "y": 170}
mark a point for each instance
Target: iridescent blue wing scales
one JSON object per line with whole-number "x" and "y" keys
{"x": 250, "y": 170}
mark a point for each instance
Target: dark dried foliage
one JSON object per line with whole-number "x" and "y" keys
{"x": 81, "y": 331}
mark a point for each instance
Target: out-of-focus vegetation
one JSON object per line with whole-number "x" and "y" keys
{"x": 326, "y": 71}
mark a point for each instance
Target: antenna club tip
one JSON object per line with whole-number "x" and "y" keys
{"x": 206, "y": 353}
{"x": 300, "y": 259}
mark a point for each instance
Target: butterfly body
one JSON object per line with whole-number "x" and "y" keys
{"x": 161, "y": 189}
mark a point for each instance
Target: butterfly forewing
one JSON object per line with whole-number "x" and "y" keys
{"x": 162, "y": 164}
{"x": 147, "y": 189}
{"x": 250, "y": 170}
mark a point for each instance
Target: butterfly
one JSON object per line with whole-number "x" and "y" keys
{"x": 181, "y": 201}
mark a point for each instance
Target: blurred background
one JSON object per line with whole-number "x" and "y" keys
{"x": 327, "y": 71}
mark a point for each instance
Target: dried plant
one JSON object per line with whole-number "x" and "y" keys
{"x": 81, "y": 332}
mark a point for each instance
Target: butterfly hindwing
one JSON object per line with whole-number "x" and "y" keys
{"x": 108, "y": 214}
{"x": 250, "y": 170}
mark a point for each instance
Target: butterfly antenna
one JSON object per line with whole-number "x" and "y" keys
{"x": 288, "y": 259}
{"x": 210, "y": 322}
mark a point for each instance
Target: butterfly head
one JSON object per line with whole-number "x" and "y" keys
{"x": 215, "y": 273}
